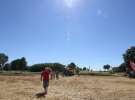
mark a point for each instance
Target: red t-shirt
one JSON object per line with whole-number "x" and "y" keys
{"x": 45, "y": 74}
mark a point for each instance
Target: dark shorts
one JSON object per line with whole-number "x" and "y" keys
{"x": 45, "y": 83}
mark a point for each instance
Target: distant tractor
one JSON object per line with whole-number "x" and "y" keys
{"x": 69, "y": 72}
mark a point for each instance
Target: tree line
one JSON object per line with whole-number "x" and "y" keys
{"x": 128, "y": 56}
{"x": 21, "y": 64}
{"x": 17, "y": 64}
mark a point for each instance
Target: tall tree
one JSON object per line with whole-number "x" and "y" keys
{"x": 129, "y": 55}
{"x": 3, "y": 59}
{"x": 84, "y": 68}
{"x": 122, "y": 67}
{"x": 54, "y": 66}
{"x": 72, "y": 65}
{"x": 58, "y": 67}
{"x": 7, "y": 67}
{"x": 106, "y": 67}
{"x": 19, "y": 64}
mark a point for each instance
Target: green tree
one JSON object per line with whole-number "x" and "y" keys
{"x": 122, "y": 67}
{"x": 129, "y": 55}
{"x": 72, "y": 66}
{"x": 36, "y": 68}
{"x": 7, "y": 67}
{"x": 19, "y": 64}
{"x": 84, "y": 68}
{"x": 3, "y": 60}
{"x": 54, "y": 66}
{"x": 58, "y": 67}
{"x": 106, "y": 67}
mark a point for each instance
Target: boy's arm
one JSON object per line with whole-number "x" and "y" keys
{"x": 41, "y": 77}
{"x": 51, "y": 73}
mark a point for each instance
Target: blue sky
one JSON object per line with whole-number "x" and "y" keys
{"x": 87, "y": 32}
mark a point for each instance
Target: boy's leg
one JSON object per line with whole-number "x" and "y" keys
{"x": 46, "y": 84}
{"x": 45, "y": 89}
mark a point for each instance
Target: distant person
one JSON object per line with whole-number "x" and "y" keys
{"x": 57, "y": 75}
{"x": 45, "y": 78}
{"x": 53, "y": 74}
{"x": 78, "y": 72}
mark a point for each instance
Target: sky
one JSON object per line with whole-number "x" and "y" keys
{"x": 88, "y": 32}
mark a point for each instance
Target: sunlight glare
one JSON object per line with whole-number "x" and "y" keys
{"x": 70, "y": 3}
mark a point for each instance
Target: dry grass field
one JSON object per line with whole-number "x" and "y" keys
{"x": 69, "y": 88}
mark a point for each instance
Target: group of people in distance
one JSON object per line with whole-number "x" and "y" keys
{"x": 46, "y": 75}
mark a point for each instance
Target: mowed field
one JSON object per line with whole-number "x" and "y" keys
{"x": 68, "y": 88}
